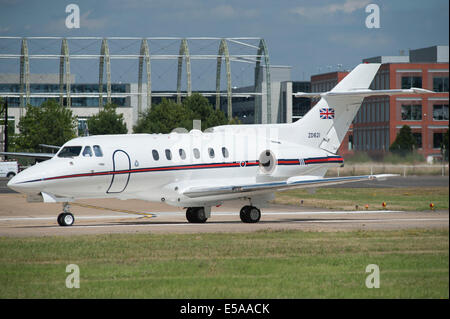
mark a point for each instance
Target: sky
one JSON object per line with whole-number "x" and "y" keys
{"x": 311, "y": 36}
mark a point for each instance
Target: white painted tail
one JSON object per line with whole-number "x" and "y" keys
{"x": 326, "y": 124}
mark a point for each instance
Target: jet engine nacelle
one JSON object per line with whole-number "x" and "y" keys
{"x": 279, "y": 163}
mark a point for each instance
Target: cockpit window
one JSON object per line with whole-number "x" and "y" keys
{"x": 87, "y": 152}
{"x": 98, "y": 151}
{"x": 70, "y": 151}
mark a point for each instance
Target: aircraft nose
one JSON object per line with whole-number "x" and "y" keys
{"x": 24, "y": 182}
{"x": 14, "y": 183}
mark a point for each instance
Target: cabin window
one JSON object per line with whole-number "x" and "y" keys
{"x": 98, "y": 151}
{"x": 87, "y": 152}
{"x": 196, "y": 153}
{"x": 182, "y": 153}
{"x": 155, "y": 155}
{"x": 225, "y": 152}
{"x": 70, "y": 151}
{"x": 211, "y": 152}
{"x": 168, "y": 154}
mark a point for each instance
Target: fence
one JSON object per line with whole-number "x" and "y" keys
{"x": 404, "y": 170}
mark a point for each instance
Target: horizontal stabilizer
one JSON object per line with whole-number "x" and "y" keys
{"x": 364, "y": 92}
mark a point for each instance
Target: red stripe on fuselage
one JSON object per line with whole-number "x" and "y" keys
{"x": 198, "y": 166}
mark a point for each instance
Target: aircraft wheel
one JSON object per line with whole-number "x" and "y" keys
{"x": 196, "y": 215}
{"x": 65, "y": 219}
{"x": 250, "y": 214}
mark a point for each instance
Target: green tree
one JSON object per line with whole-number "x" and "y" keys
{"x": 163, "y": 118}
{"x": 168, "y": 115}
{"x": 202, "y": 110}
{"x": 50, "y": 123}
{"x": 107, "y": 121}
{"x": 404, "y": 142}
{"x": 11, "y": 126}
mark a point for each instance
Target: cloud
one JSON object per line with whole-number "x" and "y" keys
{"x": 313, "y": 12}
{"x": 4, "y": 29}
{"x": 361, "y": 40}
{"x": 94, "y": 23}
{"x": 187, "y": 9}
{"x": 229, "y": 12}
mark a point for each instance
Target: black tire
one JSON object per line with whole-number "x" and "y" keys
{"x": 11, "y": 175}
{"x": 250, "y": 214}
{"x": 60, "y": 219}
{"x": 196, "y": 215}
{"x": 65, "y": 219}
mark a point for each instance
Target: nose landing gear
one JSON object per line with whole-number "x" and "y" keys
{"x": 66, "y": 218}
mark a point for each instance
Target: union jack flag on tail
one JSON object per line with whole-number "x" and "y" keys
{"x": 327, "y": 114}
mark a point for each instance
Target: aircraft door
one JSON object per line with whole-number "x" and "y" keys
{"x": 121, "y": 172}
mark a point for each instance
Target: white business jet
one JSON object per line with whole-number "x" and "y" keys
{"x": 198, "y": 170}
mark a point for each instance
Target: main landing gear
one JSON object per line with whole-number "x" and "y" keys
{"x": 66, "y": 218}
{"x": 196, "y": 215}
{"x": 248, "y": 214}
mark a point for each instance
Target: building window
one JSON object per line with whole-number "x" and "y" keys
{"x": 386, "y": 139}
{"x": 440, "y": 112}
{"x": 437, "y": 140}
{"x": 350, "y": 142}
{"x": 411, "y": 81}
{"x": 377, "y": 113}
{"x": 82, "y": 127}
{"x": 418, "y": 139}
{"x": 386, "y": 112}
{"x": 440, "y": 84}
{"x": 411, "y": 112}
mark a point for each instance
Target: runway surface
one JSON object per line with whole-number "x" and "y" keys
{"x": 19, "y": 218}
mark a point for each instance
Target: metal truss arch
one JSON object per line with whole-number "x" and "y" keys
{"x": 144, "y": 54}
{"x": 24, "y": 75}
{"x": 104, "y": 57}
{"x": 205, "y": 57}
{"x": 184, "y": 53}
{"x": 262, "y": 51}
{"x": 64, "y": 60}
{"x": 223, "y": 51}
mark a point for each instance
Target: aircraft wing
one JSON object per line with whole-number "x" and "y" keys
{"x": 291, "y": 183}
{"x": 43, "y": 156}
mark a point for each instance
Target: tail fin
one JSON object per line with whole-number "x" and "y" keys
{"x": 326, "y": 124}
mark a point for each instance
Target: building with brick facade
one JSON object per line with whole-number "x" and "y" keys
{"x": 380, "y": 118}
